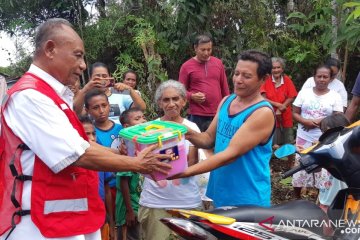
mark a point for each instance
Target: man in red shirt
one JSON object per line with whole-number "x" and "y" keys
{"x": 205, "y": 81}
{"x": 280, "y": 91}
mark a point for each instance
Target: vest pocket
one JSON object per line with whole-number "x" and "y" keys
{"x": 68, "y": 194}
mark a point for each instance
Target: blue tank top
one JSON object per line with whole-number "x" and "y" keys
{"x": 246, "y": 181}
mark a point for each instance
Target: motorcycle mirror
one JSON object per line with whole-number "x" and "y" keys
{"x": 285, "y": 150}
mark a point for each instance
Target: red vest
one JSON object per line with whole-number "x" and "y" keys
{"x": 63, "y": 204}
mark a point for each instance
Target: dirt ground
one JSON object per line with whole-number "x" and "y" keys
{"x": 282, "y": 190}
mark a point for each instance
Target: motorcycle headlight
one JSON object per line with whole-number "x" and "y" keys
{"x": 185, "y": 228}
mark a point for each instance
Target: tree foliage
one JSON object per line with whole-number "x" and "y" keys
{"x": 318, "y": 28}
{"x": 154, "y": 37}
{"x": 23, "y": 16}
{"x": 356, "y": 12}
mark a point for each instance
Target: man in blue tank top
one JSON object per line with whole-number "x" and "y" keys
{"x": 241, "y": 134}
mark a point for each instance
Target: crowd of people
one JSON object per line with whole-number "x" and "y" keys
{"x": 72, "y": 177}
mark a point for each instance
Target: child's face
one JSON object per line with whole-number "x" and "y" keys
{"x": 130, "y": 80}
{"x": 90, "y": 131}
{"x": 136, "y": 118}
{"x": 99, "y": 108}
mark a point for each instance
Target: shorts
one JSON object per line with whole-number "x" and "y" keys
{"x": 283, "y": 136}
{"x": 150, "y": 226}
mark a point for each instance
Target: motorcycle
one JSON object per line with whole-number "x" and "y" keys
{"x": 338, "y": 151}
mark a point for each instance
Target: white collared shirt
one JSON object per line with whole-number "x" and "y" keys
{"x": 275, "y": 83}
{"x": 63, "y": 91}
{"x": 46, "y": 130}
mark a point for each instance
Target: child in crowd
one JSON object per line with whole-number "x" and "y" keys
{"x": 128, "y": 187}
{"x": 104, "y": 188}
{"x": 107, "y": 131}
{"x": 130, "y": 79}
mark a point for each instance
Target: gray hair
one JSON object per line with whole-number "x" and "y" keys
{"x": 279, "y": 60}
{"x": 200, "y": 39}
{"x": 47, "y": 30}
{"x": 178, "y": 86}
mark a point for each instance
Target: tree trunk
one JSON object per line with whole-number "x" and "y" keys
{"x": 100, "y": 5}
{"x": 334, "y": 23}
{"x": 290, "y": 6}
{"x": 346, "y": 56}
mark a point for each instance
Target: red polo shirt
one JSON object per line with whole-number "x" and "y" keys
{"x": 280, "y": 94}
{"x": 206, "y": 77}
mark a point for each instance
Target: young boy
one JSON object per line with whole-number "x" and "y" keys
{"x": 128, "y": 183}
{"x": 107, "y": 132}
{"x": 104, "y": 177}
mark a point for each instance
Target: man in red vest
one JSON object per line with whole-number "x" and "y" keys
{"x": 48, "y": 188}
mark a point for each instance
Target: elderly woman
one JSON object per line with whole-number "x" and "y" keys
{"x": 242, "y": 135}
{"x": 280, "y": 91}
{"x": 156, "y": 197}
{"x": 310, "y": 107}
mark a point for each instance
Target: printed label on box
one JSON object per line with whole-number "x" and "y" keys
{"x": 173, "y": 151}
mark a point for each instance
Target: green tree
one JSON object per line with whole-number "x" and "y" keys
{"x": 23, "y": 16}
{"x": 355, "y": 14}
{"x": 154, "y": 37}
{"x": 318, "y": 27}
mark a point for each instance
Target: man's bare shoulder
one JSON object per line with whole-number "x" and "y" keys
{"x": 263, "y": 114}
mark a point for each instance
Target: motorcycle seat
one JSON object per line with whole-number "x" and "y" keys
{"x": 299, "y": 211}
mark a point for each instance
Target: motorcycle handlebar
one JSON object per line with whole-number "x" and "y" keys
{"x": 292, "y": 171}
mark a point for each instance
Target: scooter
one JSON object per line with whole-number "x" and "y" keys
{"x": 338, "y": 151}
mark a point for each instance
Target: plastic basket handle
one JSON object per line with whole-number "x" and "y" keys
{"x": 153, "y": 126}
{"x": 160, "y": 137}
